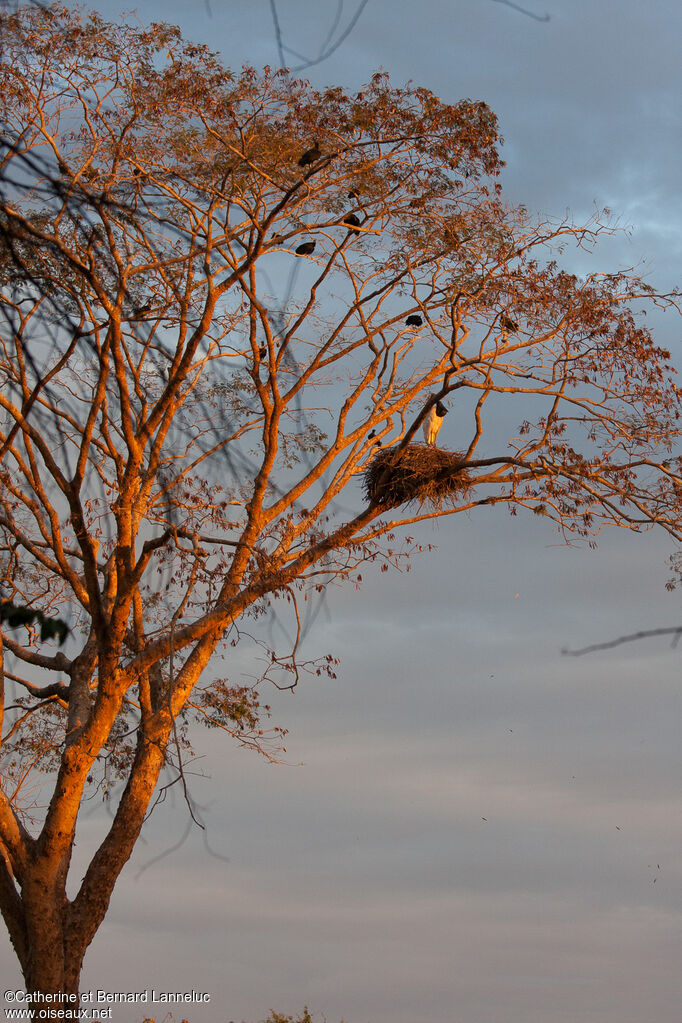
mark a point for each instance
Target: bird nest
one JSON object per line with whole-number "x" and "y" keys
{"x": 417, "y": 474}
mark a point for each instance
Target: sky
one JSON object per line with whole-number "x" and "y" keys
{"x": 469, "y": 826}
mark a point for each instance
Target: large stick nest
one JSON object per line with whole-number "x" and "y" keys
{"x": 419, "y": 474}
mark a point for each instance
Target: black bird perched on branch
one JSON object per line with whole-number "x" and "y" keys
{"x": 262, "y": 352}
{"x": 141, "y": 311}
{"x": 414, "y": 320}
{"x": 305, "y": 249}
{"x": 353, "y": 221}
{"x": 311, "y": 155}
{"x": 510, "y": 325}
{"x": 433, "y": 423}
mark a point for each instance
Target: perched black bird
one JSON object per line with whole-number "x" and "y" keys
{"x": 353, "y": 221}
{"x": 414, "y": 320}
{"x": 372, "y": 434}
{"x": 262, "y": 352}
{"x": 433, "y": 423}
{"x": 305, "y": 249}
{"x": 510, "y": 325}
{"x": 311, "y": 155}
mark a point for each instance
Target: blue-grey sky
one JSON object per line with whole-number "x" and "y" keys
{"x": 470, "y": 827}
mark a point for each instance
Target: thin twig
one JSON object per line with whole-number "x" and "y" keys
{"x": 674, "y": 630}
{"x": 522, "y": 10}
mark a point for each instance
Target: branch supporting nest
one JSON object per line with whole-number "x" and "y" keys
{"x": 418, "y": 474}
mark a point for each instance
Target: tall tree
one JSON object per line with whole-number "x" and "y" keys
{"x": 176, "y": 443}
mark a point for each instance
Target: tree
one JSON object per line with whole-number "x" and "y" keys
{"x": 179, "y": 468}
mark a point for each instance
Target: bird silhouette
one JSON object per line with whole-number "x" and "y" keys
{"x": 353, "y": 221}
{"x": 311, "y": 155}
{"x": 262, "y": 352}
{"x": 305, "y": 249}
{"x": 414, "y": 320}
{"x": 433, "y": 423}
{"x": 510, "y": 325}
{"x": 141, "y": 311}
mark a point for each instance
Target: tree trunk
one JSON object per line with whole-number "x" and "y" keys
{"x": 51, "y": 933}
{"x": 51, "y": 965}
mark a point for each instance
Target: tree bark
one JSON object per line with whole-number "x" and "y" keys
{"x": 46, "y": 969}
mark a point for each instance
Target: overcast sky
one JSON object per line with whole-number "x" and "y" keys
{"x": 472, "y": 828}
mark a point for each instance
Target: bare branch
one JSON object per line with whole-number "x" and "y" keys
{"x": 675, "y": 631}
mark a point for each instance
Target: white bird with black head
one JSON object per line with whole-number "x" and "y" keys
{"x": 433, "y": 423}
